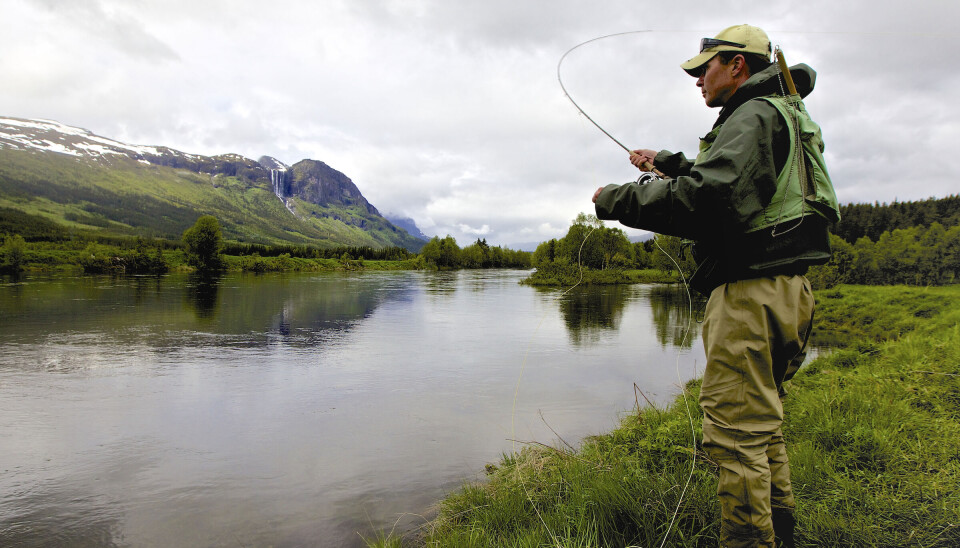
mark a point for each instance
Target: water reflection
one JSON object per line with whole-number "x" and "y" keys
{"x": 203, "y": 289}
{"x": 443, "y": 282}
{"x": 298, "y": 409}
{"x": 146, "y": 287}
{"x": 671, "y": 307}
{"x": 11, "y": 278}
{"x": 231, "y": 310}
{"x": 11, "y": 287}
{"x": 590, "y": 312}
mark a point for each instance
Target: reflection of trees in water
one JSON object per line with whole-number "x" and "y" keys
{"x": 482, "y": 279}
{"x": 671, "y": 315}
{"x": 591, "y": 311}
{"x": 12, "y": 288}
{"x": 302, "y": 309}
{"x": 203, "y": 292}
{"x": 145, "y": 287}
{"x": 441, "y": 281}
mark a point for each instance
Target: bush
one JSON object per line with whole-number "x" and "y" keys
{"x": 12, "y": 254}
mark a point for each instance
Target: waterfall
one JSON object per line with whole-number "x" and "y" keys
{"x": 276, "y": 179}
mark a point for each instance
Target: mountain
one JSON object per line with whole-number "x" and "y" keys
{"x": 407, "y": 224}
{"x": 86, "y": 182}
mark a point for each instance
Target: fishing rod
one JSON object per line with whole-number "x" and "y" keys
{"x": 645, "y": 165}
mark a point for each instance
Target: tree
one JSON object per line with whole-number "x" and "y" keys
{"x": 484, "y": 252}
{"x": 141, "y": 262}
{"x": 11, "y": 253}
{"x": 897, "y": 254}
{"x": 839, "y": 270}
{"x": 514, "y": 258}
{"x": 641, "y": 257}
{"x": 930, "y": 256}
{"x": 950, "y": 251}
{"x": 204, "y": 244}
{"x": 472, "y": 257}
{"x": 545, "y": 253}
{"x": 495, "y": 257}
{"x": 669, "y": 250}
{"x": 443, "y": 253}
{"x": 614, "y": 247}
{"x": 579, "y": 246}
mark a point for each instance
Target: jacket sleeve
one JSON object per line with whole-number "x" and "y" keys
{"x": 672, "y": 164}
{"x": 723, "y": 190}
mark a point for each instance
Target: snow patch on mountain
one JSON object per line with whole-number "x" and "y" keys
{"x": 52, "y": 136}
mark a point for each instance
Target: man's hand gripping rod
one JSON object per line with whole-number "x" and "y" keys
{"x": 647, "y": 166}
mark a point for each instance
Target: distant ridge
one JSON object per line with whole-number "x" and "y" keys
{"x": 80, "y": 180}
{"x": 407, "y": 224}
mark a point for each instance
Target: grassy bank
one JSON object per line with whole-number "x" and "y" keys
{"x": 567, "y": 275}
{"x": 872, "y": 431}
{"x": 285, "y": 263}
{"x": 137, "y": 257}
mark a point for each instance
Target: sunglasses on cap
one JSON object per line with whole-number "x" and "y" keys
{"x": 707, "y": 43}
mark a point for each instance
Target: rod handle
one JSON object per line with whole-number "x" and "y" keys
{"x": 785, "y": 70}
{"x": 649, "y": 167}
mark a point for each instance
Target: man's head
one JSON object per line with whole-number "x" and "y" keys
{"x": 727, "y": 60}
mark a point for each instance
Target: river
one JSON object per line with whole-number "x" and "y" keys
{"x": 293, "y": 410}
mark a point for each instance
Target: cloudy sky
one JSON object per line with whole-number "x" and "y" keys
{"x": 450, "y": 112}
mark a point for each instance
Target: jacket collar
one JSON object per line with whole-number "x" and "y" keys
{"x": 767, "y": 82}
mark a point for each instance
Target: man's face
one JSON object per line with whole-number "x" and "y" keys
{"x": 716, "y": 82}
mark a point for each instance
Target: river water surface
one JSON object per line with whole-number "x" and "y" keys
{"x": 301, "y": 409}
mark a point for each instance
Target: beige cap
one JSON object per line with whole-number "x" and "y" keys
{"x": 739, "y": 38}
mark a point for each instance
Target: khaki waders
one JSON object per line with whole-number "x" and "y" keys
{"x": 754, "y": 334}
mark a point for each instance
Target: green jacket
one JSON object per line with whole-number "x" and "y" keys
{"x": 717, "y": 200}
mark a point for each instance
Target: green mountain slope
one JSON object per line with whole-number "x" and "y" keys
{"x": 80, "y": 181}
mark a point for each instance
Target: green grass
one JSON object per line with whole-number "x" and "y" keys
{"x": 876, "y": 313}
{"x": 873, "y": 429}
{"x": 566, "y": 275}
{"x": 872, "y": 432}
{"x": 77, "y": 256}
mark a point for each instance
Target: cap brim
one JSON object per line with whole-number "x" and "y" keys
{"x": 692, "y": 67}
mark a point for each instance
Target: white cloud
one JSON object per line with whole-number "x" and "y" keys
{"x": 467, "y": 229}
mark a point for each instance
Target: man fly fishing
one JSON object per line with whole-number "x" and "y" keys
{"x": 757, "y": 202}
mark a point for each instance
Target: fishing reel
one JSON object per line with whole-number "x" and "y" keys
{"x": 646, "y": 177}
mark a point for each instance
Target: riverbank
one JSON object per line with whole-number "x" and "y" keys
{"x": 873, "y": 438}
{"x": 138, "y": 257}
{"x": 568, "y": 275}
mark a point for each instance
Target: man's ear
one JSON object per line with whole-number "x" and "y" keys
{"x": 738, "y": 65}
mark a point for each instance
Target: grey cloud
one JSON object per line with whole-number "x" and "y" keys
{"x": 124, "y": 32}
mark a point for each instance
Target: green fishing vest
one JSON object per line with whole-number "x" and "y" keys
{"x": 795, "y": 196}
